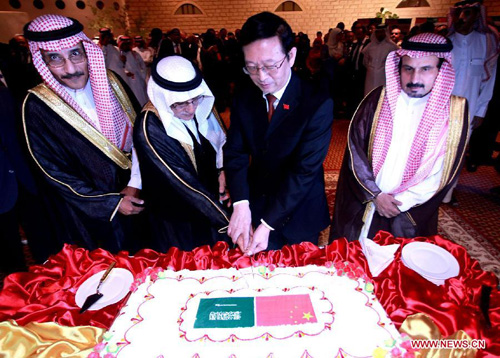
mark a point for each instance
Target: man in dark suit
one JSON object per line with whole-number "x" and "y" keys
{"x": 356, "y": 71}
{"x": 19, "y": 202}
{"x": 278, "y": 139}
{"x": 172, "y": 44}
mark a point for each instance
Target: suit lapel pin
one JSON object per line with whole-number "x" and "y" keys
{"x": 286, "y": 106}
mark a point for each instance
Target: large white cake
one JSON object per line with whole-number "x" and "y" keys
{"x": 309, "y": 311}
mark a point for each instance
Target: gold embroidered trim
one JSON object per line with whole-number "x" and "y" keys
{"x": 68, "y": 114}
{"x": 371, "y": 135}
{"x": 219, "y": 119}
{"x": 368, "y": 208}
{"x": 175, "y": 174}
{"x": 223, "y": 230}
{"x": 45, "y": 172}
{"x": 190, "y": 152}
{"x": 410, "y": 218}
{"x": 122, "y": 97}
{"x": 457, "y": 109}
{"x": 374, "y": 124}
{"x": 116, "y": 210}
{"x": 150, "y": 107}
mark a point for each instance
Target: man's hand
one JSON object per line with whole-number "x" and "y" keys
{"x": 127, "y": 206}
{"x": 223, "y": 192}
{"x": 131, "y": 196}
{"x": 240, "y": 225}
{"x": 259, "y": 241}
{"x": 387, "y": 205}
{"x": 131, "y": 191}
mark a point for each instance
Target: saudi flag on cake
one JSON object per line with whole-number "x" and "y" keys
{"x": 241, "y": 312}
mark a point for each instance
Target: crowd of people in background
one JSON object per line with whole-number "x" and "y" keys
{"x": 337, "y": 58}
{"x": 347, "y": 64}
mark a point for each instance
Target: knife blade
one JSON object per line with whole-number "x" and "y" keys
{"x": 92, "y": 299}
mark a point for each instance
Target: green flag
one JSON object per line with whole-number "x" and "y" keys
{"x": 229, "y": 312}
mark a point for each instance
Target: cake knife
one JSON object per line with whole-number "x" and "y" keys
{"x": 90, "y": 300}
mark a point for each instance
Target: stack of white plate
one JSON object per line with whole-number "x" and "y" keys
{"x": 430, "y": 261}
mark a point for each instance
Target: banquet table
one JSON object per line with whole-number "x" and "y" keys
{"x": 40, "y": 318}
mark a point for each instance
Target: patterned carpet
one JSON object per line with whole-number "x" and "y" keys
{"x": 474, "y": 223}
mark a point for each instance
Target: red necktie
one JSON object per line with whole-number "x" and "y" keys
{"x": 270, "y": 101}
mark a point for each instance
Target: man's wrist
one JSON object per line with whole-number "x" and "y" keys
{"x": 240, "y": 202}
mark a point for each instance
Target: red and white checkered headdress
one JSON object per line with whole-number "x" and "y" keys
{"x": 429, "y": 142}
{"x": 55, "y": 33}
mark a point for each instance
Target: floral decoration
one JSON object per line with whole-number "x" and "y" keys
{"x": 400, "y": 348}
{"x": 154, "y": 272}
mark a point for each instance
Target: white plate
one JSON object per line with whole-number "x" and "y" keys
{"x": 114, "y": 288}
{"x": 430, "y": 260}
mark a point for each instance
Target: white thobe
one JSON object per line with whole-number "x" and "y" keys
{"x": 137, "y": 82}
{"x": 407, "y": 118}
{"x": 375, "y": 54}
{"x": 85, "y": 99}
{"x": 146, "y": 53}
{"x": 113, "y": 62}
{"x": 468, "y": 56}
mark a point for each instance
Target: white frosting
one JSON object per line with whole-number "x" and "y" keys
{"x": 158, "y": 319}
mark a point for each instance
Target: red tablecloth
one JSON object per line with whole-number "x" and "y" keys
{"x": 47, "y": 292}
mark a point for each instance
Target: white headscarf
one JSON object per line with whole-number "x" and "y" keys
{"x": 179, "y": 70}
{"x": 335, "y": 47}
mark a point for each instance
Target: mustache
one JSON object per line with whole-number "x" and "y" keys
{"x": 414, "y": 85}
{"x": 71, "y": 75}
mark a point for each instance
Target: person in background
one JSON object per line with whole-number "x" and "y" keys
{"x": 16, "y": 67}
{"x": 135, "y": 69}
{"x": 20, "y": 204}
{"x": 172, "y": 44}
{"x": 146, "y": 53}
{"x": 396, "y": 35}
{"x": 112, "y": 57}
{"x": 355, "y": 70}
{"x": 475, "y": 55}
{"x": 155, "y": 39}
{"x": 374, "y": 55}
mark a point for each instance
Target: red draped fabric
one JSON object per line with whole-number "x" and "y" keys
{"x": 47, "y": 292}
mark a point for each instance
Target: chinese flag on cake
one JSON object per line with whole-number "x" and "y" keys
{"x": 281, "y": 310}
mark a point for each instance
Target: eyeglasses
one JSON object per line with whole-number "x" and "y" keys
{"x": 183, "y": 105}
{"x": 253, "y": 70}
{"x": 55, "y": 60}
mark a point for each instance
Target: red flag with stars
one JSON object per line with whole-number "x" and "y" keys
{"x": 286, "y": 309}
